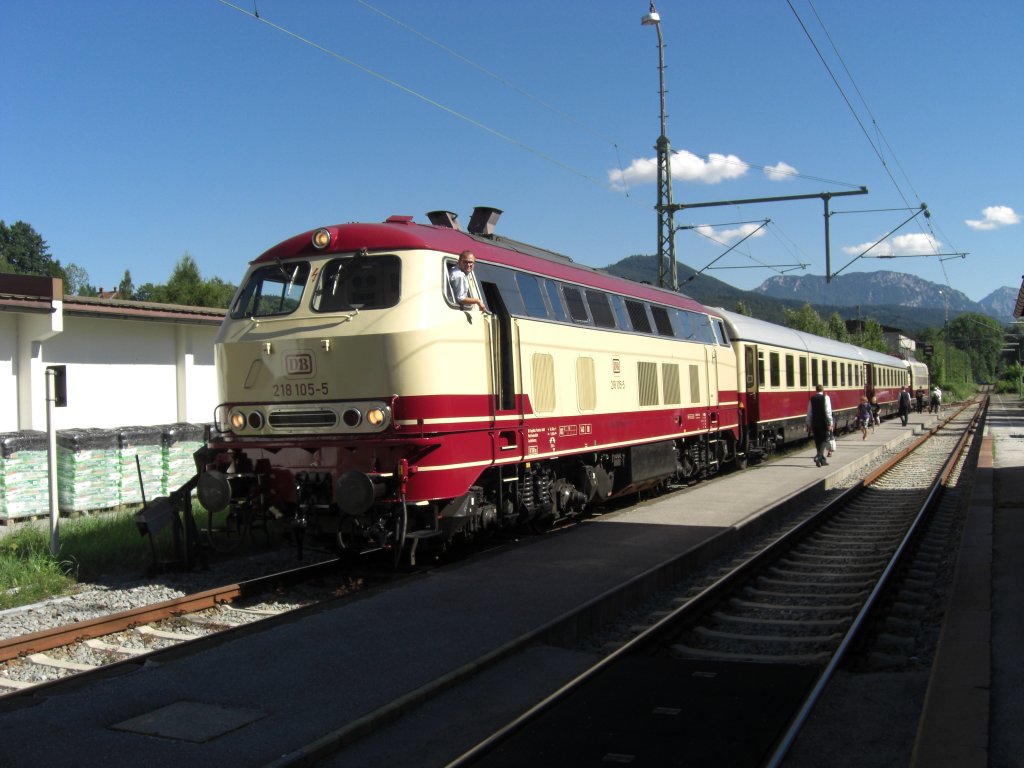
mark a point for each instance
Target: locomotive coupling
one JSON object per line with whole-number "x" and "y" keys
{"x": 356, "y": 492}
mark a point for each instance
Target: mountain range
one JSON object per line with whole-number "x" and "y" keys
{"x": 893, "y": 299}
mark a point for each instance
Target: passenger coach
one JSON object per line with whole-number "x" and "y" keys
{"x": 779, "y": 368}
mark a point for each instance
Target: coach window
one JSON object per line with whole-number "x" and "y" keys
{"x": 773, "y": 368}
{"x": 803, "y": 372}
{"x": 814, "y": 371}
{"x": 760, "y": 369}
{"x": 638, "y": 316}
{"x": 533, "y": 299}
{"x": 368, "y": 282}
{"x": 790, "y": 371}
{"x": 842, "y": 374}
{"x": 574, "y": 300}
{"x": 824, "y": 373}
{"x": 835, "y": 379}
{"x": 600, "y": 309}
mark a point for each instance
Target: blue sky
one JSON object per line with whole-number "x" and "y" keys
{"x": 132, "y": 132}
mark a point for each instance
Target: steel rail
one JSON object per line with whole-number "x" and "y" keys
{"x": 48, "y": 639}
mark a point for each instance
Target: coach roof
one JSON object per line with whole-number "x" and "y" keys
{"x": 745, "y": 328}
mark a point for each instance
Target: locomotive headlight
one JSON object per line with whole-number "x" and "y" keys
{"x": 352, "y": 417}
{"x": 321, "y": 239}
{"x": 237, "y": 420}
{"x": 255, "y": 420}
{"x": 376, "y": 416}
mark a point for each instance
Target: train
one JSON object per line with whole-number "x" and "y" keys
{"x": 360, "y": 400}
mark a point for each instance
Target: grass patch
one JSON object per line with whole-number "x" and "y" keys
{"x": 90, "y": 548}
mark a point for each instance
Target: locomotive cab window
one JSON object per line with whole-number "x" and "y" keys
{"x": 358, "y": 282}
{"x": 273, "y": 289}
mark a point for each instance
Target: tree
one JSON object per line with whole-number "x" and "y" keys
{"x": 870, "y": 336}
{"x": 837, "y": 328}
{"x": 806, "y": 319}
{"x": 187, "y": 287}
{"x": 981, "y": 337}
{"x": 742, "y": 309}
{"x": 126, "y": 289}
{"x": 76, "y": 280}
{"x": 24, "y": 250}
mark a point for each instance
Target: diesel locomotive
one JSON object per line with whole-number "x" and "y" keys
{"x": 360, "y": 400}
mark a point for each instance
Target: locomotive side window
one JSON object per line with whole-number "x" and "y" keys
{"x": 554, "y": 299}
{"x": 600, "y": 309}
{"x": 681, "y": 320}
{"x": 505, "y": 281}
{"x": 274, "y": 289}
{"x": 701, "y": 325}
{"x": 661, "y": 321}
{"x": 532, "y": 296}
{"x": 620, "y": 313}
{"x": 638, "y": 316}
{"x": 574, "y": 300}
{"x": 720, "y": 332}
{"x": 353, "y": 282}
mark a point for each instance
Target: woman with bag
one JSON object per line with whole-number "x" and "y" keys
{"x": 864, "y": 416}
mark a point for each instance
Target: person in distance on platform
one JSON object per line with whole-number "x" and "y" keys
{"x": 459, "y": 279}
{"x": 936, "y": 399}
{"x": 920, "y": 399}
{"x": 904, "y": 409}
{"x": 864, "y": 416}
{"x": 875, "y": 409}
{"x": 819, "y": 423}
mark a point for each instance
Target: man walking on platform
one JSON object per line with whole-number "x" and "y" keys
{"x": 904, "y": 409}
{"x": 819, "y": 422}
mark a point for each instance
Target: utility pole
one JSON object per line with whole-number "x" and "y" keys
{"x": 666, "y": 211}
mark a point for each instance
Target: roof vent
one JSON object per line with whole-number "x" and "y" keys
{"x": 483, "y": 220}
{"x": 445, "y": 219}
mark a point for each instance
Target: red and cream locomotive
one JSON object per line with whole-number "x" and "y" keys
{"x": 359, "y": 399}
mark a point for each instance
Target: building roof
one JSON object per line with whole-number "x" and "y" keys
{"x": 33, "y": 294}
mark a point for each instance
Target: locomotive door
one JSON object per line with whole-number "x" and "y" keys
{"x": 506, "y": 406}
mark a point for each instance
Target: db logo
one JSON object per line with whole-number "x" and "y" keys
{"x": 299, "y": 364}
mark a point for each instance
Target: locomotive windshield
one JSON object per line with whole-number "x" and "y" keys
{"x": 358, "y": 282}
{"x": 274, "y": 289}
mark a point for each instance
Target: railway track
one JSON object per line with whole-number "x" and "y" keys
{"x": 746, "y": 657}
{"x": 55, "y": 655}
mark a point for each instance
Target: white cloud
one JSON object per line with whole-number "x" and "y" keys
{"x": 995, "y": 216}
{"x": 686, "y": 166}
{"x": 780, "y": 171}
{"x": 913, "y": 244}
{"x": 728, "y": 236}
